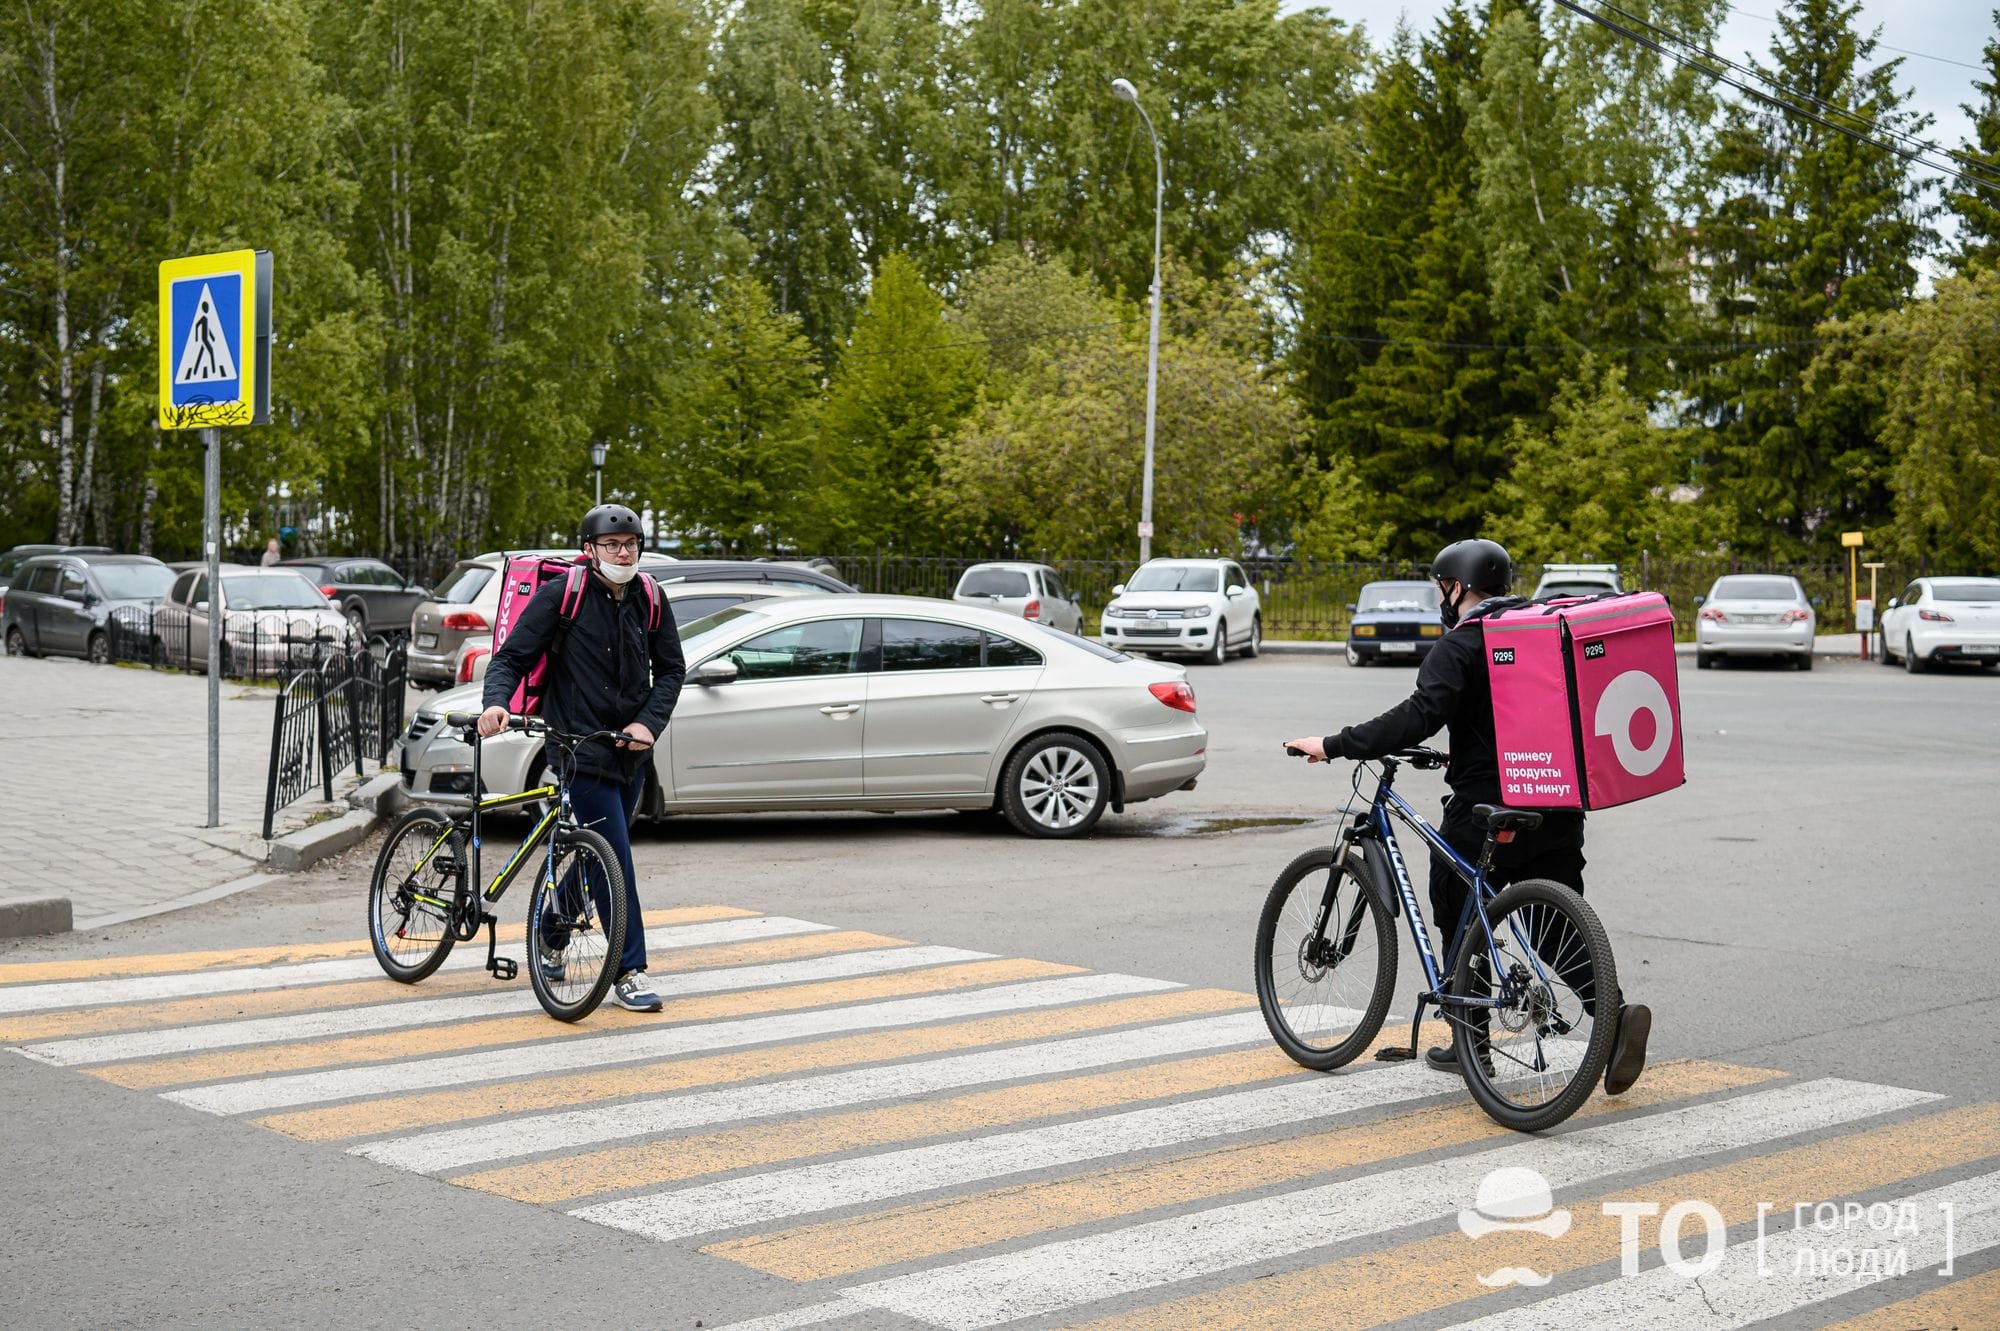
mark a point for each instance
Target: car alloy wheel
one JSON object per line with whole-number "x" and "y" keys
{"x": 1354, "y": 658}
{"x": 1911, "y": 661}
{"x": 1056, "y": 786}
{"x": 99, "y": 650}
{"x": 1219, "y": 651}
{"x": 16, "y": 644}
{"x": 1256, "y": 646}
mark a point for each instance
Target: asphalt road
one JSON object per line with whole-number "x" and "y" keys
{"x": 1818, "y": 900}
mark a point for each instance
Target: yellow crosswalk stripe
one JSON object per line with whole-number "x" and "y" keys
{"x": 311, "y": 998}
{"x": 406, "y": 1113}
{"x": 416, "y": 1042}
{"x": 766, "y": 1144}
{"x": 1439, "y": 1272}
{"x": 1971, "y": 1303}
{"x": 859, "y": 1243}
{"x": 167, "y": 963}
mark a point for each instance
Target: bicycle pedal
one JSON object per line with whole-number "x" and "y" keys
{"x": 1394, "y": 1054}
{"x": 504, "y": 968}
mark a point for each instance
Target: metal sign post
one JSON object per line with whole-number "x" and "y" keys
{"x": 1873, "y": 569}
{"x": 1852, "y": 541}
{"x": 215, "y": 370}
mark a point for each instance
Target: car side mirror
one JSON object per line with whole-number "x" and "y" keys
{"x": 1351, "y": 610}
{"x": 1894, "y": 602}
{"x": 1233, "y": 593}
{"x": 89, "y": 599}
{"x": 1819, "y": 600}
{"x": 1698, "y": 600}
{"x": 721, "y": 670}
{"x": 201, "y": 606}
{"x": 1119, "y": 590}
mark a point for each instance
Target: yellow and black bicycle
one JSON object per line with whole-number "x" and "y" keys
{"x": 425, "y": 894}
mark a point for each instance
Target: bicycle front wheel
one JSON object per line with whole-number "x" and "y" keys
{"x": 419, "y": 879}
{"x": 1326, "y": 959}
{"x": 576, "y": 925}
{"x": 1532, "y": 1060}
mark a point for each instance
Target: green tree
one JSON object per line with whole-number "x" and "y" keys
{"x": 1976, "y": 197}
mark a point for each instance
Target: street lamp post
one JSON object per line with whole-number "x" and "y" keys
{"x": 597, "y": 452}
{"x": 1125, "y": 91}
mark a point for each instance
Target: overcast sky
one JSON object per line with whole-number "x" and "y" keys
{"x": 1940, "y": 42}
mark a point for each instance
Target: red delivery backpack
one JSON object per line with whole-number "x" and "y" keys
{"x": 523, "y": 576}
{"x": 1586, "y": 701}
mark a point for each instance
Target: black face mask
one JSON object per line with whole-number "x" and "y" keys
{"x": 1448, "y": 608}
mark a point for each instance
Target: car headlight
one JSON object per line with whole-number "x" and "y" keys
{"x": 1114, "y": 611}
{"x": 1364, "y": 630}
{"x": 1200, "y": 612}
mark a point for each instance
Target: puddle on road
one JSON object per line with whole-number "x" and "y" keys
{"x": 1192, "y": 825}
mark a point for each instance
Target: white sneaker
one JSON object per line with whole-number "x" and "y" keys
{"x": 634, "y": 993}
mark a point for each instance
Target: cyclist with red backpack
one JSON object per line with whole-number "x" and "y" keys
{"x": 613, "y": 662}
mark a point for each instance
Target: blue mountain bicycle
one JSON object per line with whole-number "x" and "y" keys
{"x": 1533, "y": 965}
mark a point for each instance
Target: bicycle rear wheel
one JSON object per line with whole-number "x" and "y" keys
{"x": 576, "y": 925}
{"x": 419, "y": 879}
{"x": 1555, "y": 977}
{"x": 1325, "y": 992}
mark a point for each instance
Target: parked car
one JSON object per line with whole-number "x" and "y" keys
{"x": 1578, "y": 580}
{"x": 686, "y": 602}
{"x": 880, "y": 703}
{"x": 1032, "y": 591}
{"x": 10, "y": 563}
{"x": 1394, "y": 619}
{"x": 776, "y": 572}
{"x": 1201, "y": 607}
{"x": 1943, "y": 619}
{"x": 269, "y": 615}
{"x": 1755, "y": 614}
{"x": 373, "y": 597}
{"x": 465, "y": 604}
{"x": 73, "y": 604}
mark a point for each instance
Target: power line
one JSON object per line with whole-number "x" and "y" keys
{"x": 1899, "y": 50}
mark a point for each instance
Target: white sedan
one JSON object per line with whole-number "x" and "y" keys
{"x": 879, "y": 703}
{"x": 1943, "y": 619}
{"x": 1755, "y": 614}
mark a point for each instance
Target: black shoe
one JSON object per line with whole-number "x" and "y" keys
{"x": 1628, "y": 1048}
{"x": 1442, "y": 1057}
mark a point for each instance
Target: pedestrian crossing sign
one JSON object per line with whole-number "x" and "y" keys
{"x": 215, "y": 340}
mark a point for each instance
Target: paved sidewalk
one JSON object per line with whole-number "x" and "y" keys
{"x": 106, "y": 773}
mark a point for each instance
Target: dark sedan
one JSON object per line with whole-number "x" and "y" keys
{"x": 373, "y": 597}
{"x": 73, "y": 604}
{"x": 775, "y": 572}
{"x": 1393, "y": 621}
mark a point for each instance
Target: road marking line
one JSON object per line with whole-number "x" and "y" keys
{"x": 813, "y": 1316}
{"x": 1067, "y": 1274}
{"x": 805, "y": 1189}
{"x": 1735, "y": 1294}
{"x": 150, "y": 988}
{"x": 380, "y": 990}
{"x": 637, "y": 1043}
{"x": 401, "y": 1114}
{"x": 930, "y": 1229}
{"x": 1434, "y": 1273}
{"x": 30, "y": 972}
{"x": 683, "y": 1157}
{"x": 1963, "y": 1303}
{"x": 389, "y": 1016}
{"x": 534, "y": 1032}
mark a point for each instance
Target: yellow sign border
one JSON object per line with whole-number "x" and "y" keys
{"x": 242, "y": 410}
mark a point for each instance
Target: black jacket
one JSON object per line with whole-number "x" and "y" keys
{"x": 607, "y": 673}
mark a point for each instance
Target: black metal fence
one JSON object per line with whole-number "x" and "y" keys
{"x": 266, "y": 646}
{"x": 1307, "y": 599}
{"x": 339, "y": 707}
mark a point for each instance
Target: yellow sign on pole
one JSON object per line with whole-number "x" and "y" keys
{"x": 1852, "y": 539}
{"x": 215, "y": 340}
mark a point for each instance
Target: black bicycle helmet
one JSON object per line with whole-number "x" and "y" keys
{"x": 1483, "y": 566}
{"x": 611, "y": 520}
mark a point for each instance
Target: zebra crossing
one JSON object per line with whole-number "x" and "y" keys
{"x": 905, "y": 1134}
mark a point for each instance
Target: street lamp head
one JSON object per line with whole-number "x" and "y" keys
{"x": 1124, "y": 91}
{"x": 597, "y": 452}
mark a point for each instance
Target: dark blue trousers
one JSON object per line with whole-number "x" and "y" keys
{"x": 605, "y": 806}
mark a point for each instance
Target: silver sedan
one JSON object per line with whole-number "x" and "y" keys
{"x": 881, "y": 703}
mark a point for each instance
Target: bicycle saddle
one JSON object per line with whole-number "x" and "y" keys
{"x": 1497, "y": 818}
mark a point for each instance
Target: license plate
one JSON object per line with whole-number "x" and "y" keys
{"x": 1399, "y": 646}
{"x": 427, "y": 640}
{"x": 1983, "y": 649}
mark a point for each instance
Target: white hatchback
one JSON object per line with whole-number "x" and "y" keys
{"x": 1194, "y": 607}
{"x": 1943, "y": 619}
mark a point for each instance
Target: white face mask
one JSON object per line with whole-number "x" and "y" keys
{"x": 616, "y": 574}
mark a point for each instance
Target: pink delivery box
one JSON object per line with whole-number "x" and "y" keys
{"x": 1586, "y": 701}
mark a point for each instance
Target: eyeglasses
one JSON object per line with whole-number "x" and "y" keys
{"x": 628, "y": 545}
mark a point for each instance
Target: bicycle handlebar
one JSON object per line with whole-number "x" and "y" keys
{"x": 1424, "y": 760}
{"x": 535, "y": 725}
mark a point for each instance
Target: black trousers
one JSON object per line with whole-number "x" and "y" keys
{"x": 1553, "y": 851}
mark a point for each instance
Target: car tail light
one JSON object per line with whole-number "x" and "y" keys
{"x": 1033, "y": 610}
{"x": 1935, "y": 616}
{"x": 1797, "y": 616}
{"x": 328, "y": 590}
{"x": 465, "y": 663}
{"x": 465, "y": 621}
{"x": 1177, "y": 694}
{"x": 1714, "y": 616}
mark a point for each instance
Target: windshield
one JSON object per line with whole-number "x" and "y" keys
{"x": 993, "y": 582}
{"x": 1398, "y": 596}
{"x": 271, "y": 591}
{"x": 1573, "y": 589}
{"x": 1167, "y": 578}
{"x": 134, "y": 582}
{"x": 463, "y": 584}
{"x": 1755, "y": 589}
{"x": 698, "y": 636}
{"x": 1985, "y": 590}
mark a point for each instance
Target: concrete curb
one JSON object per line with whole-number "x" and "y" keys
{"x": 201, "y": 898}
{"x": 27, "y": 917}
{"x": 1297, "y": 648}
{"x": 306, "y": 847}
